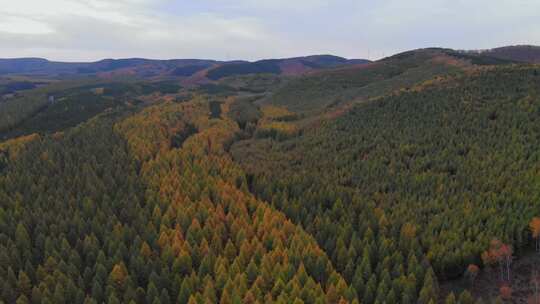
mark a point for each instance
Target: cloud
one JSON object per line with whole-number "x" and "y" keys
{"x": 261, "y": 5}
{"x": 390, "y": 26}
{"x": 78, "y": 28}
{"x": 18, "y": 25}
{"x": 254, "y": 29}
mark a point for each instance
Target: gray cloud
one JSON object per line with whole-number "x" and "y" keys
{"x": 249, "y": 29}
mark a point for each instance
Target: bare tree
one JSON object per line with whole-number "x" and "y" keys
{"x": 501, "y": 254}
{"x": 534, "y": 225}
{"x": 535, "y": 281}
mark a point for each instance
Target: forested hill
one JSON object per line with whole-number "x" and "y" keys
{"x": 427, "y": 175}
{"x": 520, "y": 53}
{"x": 149, "y": 209}
{"x": 324, "y": 90}
{"x": 413, "y": 179}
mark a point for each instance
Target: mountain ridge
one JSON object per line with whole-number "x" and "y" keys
{"x": 144, "y": 68}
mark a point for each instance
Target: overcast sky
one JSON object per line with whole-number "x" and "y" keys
{"x": 83, "y": 30}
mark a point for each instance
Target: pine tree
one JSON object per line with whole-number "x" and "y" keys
{"x": 164, "y": 297}
{"x": 36, "y": 295}
{"x": 113, "y": 299}
{"x": 465, "y": 298}
{"x": 151, "y": 292}
{"x": 118, "y": 277}
{"x": 429, "y": 290}
{"x": 450, "y": 299}
{"x": 97, "y": 291}
{"x": 370, "y": 291}
{"x": 24, "y": 284}
{"x": 22, "y": 240}
{"x": 59, "y": 294}
{"x": 22, "y": 300}
{"x": 185, "y": 292}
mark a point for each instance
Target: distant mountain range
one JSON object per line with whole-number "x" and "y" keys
{"x": 185, "y": 68}
{"x": 520, "y": 53}
{"x": 513, "y": 53}
{"x": 201, "y": 71}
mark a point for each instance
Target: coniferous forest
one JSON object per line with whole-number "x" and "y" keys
{"x": 413, "y": 179}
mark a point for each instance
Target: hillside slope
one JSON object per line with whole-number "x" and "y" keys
{"x": 283, "y": 181}
{"x": 451, "y": 164}
{"x": 325, "y": 89}
{"x": 287, "y": 66}
{"x": 149, "y": 209}
{"x": 519, "y": 53}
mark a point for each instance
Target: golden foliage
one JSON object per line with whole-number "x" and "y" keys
{"x": 534, "y": 225}
{"x": 205, "y": 191}
{"x": 14, "y": 146}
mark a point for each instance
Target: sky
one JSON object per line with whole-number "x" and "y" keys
{"x": 88, "y": 30}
